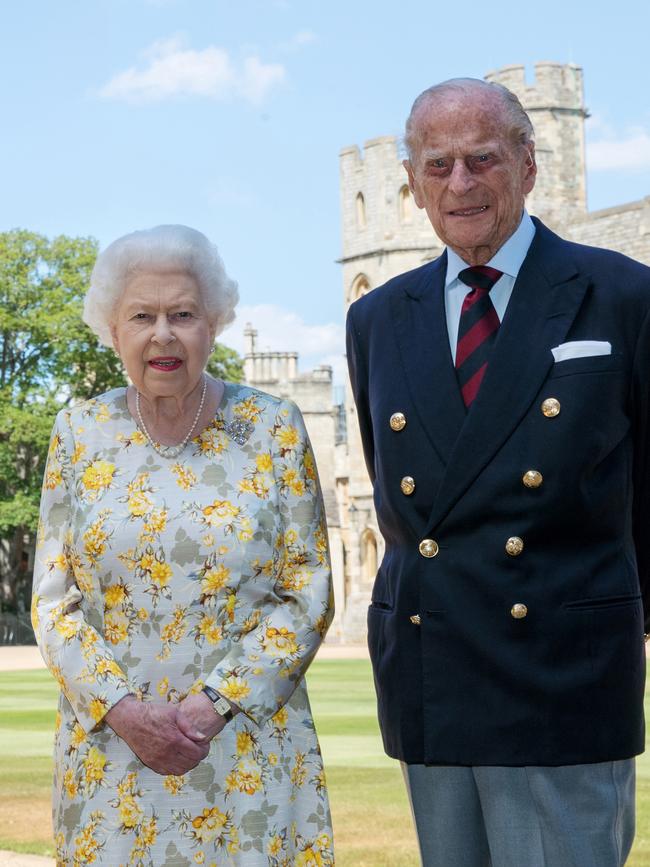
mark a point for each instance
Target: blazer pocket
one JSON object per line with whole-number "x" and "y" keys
{"x": 590, "y": 364}
{"x": 600, "y": 603}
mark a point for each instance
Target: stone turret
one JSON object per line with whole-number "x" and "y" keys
{"x": 555, "y": 104}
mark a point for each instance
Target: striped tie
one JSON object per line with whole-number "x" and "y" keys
{"x": 477, "y": 330}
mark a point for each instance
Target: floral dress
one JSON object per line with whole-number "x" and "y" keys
{"x": 155, "y": 577}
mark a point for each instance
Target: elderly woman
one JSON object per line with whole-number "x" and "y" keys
{"x": 182, "y": 587}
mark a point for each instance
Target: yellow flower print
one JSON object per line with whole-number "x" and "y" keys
{"x": 298, "y": 771}
{"x": 95, "y": 538}
{"x": 148, "y": 834}
{"x": 142, "y": 614}
{"x": 291, "y": 481}
{"x": 103, "y": 414}
{"x": 86, "y": 844}
{"x": 174, "y": 784}
{"x": 53, "y": 478}
{"x": 209, "y": 629}
{"x": 36, "y": 620}
{"x": 139, "y": 504}
{"x": 290, "y": 538}
{"x": 310, "y": 466}
{"x": 275, "y": 846}
{"x": 77, "y": 737}
{"x": 279, "y": 642}
{"x": 245, "y": 533}
{"x": 114, "y": 595}
{"x": 98, "y": 708}
{"x": 154, "y": 525}
{"x": 245, "y": 743}
{"x": 78, "y": 453}
{"x": 146, "y": 562}
{"x": 235, "y": 688}
{"x": 245, "y": 778}
{"x": 264, "y": 462}
{"x": 185, "y": 477}
{"x": 67, "y": 627}
{"x": 173, "y": 631}
{"x": 213, "y": 580}
{"x": 220, "y": 512}
{"x": 209, "y": 824}
{"x": 161, "y": 573}
{"x": 116, "y": 627}
{"x": 94, "y": 766}
{"x": 163, "y": 686}
{"x": 208, "y": 540}
{"x": 70, "y": 783}
{"x": 97, "y": 478}
{"x": 273, "y": 759}
{"x": 280, "y": 718}
{"x": 212, "y": 440}
{"x": 107, "y": 666}
{"x": 130, "y": 812}
{"x": 199, "y": 857}
{"x": 288, "y": 438}
{"x": 248, "y": 409}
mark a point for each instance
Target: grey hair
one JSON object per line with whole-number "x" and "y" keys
{"x": 520, "y": 125}
{"x": 163, "y": 248}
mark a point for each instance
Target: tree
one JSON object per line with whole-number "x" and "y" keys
{"x": 48, "y": 359}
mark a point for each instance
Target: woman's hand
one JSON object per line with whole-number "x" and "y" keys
{"x": 198, "y": 720}
{"x": 158, "y": 736}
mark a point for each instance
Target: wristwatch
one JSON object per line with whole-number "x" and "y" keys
{"x": 221, "y": 704}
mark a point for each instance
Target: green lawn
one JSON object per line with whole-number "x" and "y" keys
{"x": 372, "y": 823}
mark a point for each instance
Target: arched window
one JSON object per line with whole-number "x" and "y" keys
{"x": 361, "y": 211}
{"x": 368, "y": 557}
{"x": 360, "y": 286}
{"x": 405, "y": 205}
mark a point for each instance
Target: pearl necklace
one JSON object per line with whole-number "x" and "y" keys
{"x": 171, "y": 451}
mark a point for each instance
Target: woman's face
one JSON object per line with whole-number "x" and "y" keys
{"x": 162, "y": 333}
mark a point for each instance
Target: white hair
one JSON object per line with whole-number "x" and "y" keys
{"x": 520, "y": 127}
{"x": 163, "y": 248}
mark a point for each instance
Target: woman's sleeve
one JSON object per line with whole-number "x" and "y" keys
{"x": 263, "y": 668}
{"x": 73, "y": 650}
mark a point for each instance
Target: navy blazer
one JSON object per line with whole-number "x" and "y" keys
{"x": 465, "y": 682}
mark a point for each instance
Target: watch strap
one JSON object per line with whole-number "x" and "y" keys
{"x": 220, "y": 704}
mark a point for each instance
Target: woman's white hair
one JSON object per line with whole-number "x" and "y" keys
{"x": 163, "y": 248}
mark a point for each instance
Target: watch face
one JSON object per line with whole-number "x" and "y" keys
{"x": 222, "y": 706}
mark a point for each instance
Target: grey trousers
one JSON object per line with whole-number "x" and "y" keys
{"x": 569, "y": 816}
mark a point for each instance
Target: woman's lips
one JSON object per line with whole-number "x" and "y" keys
{"x": 165, "y": 363}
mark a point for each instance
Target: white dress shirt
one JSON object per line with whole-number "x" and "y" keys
{"x": 508, "y": 259}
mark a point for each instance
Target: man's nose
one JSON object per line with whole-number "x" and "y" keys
{"x": 461, "y": 180}
{"x": 162, "y": 334}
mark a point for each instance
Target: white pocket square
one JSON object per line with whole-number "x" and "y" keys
{"x": 581, "y": 349}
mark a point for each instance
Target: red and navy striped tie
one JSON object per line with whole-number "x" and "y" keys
{"x": 477, "y": 330}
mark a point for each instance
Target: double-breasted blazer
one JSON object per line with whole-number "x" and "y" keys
{"x": 507, "y": 618}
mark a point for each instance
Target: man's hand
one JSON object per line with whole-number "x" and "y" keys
{"x": 198, "y": 720}
{"x": 155, "y": 735}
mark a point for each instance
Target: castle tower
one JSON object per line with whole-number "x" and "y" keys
{"x": 555, "y": 104}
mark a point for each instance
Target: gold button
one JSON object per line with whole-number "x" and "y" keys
{"x": 532, "y": 479}
{"x": 415, "y": 619}
{"x": 519, "y": 611}
{"x": 428, "y": 547}
{"x": 551, "y": 407}
{"x": 514, "y": 546}
{"x": 407, "y": 485}
{"x": 398, "y": 421}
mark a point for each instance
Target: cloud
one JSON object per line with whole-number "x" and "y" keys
{"x": 172, "y": 70}
{"x": 611, "y": 150}
{"x": 298, "y": 40}
{"x": 282, "y": 330}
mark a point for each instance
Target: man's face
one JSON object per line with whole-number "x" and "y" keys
{"x": 467, "y": 173}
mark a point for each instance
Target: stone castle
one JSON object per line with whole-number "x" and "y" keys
{"x": 384, "y": 234}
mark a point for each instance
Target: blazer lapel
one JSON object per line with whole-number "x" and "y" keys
{"x": 423, "y": 343}
{"x": 540, "y": 312}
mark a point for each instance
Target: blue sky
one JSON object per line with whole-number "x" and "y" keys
{"x": 229, "y": 116}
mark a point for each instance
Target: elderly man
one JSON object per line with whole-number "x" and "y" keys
{"x": 503, "y": 399}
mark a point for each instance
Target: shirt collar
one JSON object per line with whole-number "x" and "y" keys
{"x": 509, "y": 258}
